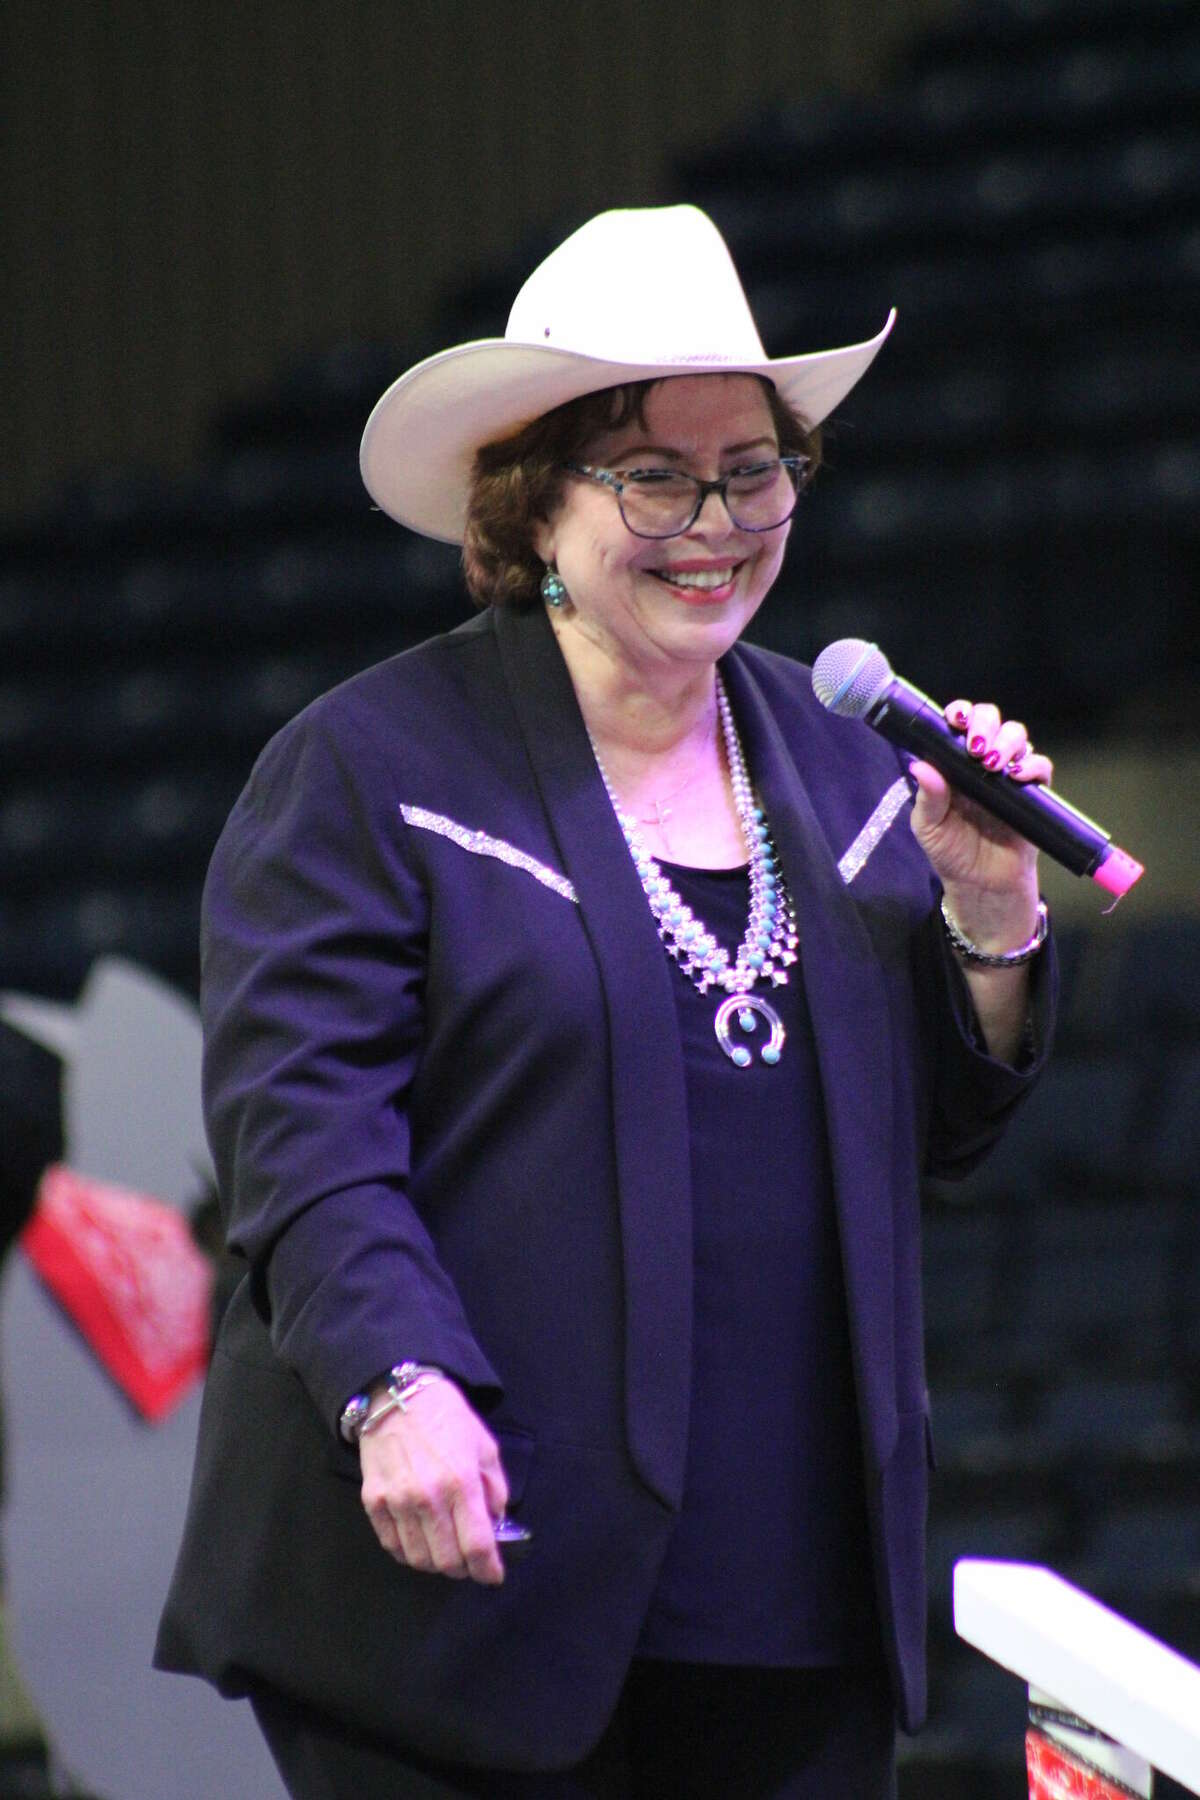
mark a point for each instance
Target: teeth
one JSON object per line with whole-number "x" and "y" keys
{"x": 701, "y": 578}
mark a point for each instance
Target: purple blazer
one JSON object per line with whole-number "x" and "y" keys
{"x": 445, "y": 1095}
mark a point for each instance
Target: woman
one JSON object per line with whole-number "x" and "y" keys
{"x": 569, "y": 1104}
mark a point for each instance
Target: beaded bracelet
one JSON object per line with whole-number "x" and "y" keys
{"x": 1007, "y": 959}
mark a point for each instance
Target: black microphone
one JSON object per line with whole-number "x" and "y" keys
{"x": 853, "y": 679}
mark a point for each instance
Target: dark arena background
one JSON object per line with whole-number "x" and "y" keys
{"x": 225, "y": 229}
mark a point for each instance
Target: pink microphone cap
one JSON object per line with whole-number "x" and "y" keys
{"x": 1118, "y": 872}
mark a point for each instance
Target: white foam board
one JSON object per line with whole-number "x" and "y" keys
{"x": 1097, "y": 1664}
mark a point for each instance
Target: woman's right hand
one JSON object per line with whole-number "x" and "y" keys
{"x": 433, "y": 1486}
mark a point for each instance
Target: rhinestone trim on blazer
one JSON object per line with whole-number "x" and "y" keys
{"x": 876, "y": 827}
{"x": 480, "y": 844}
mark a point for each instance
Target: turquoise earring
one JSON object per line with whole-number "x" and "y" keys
{"x": 554, "y": 588}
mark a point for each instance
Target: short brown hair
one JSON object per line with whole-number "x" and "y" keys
{"x": 517, "y": 483}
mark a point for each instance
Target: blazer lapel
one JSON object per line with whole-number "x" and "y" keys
{"x": 649, "y": 1104}
{"x": 847, "y": 1004}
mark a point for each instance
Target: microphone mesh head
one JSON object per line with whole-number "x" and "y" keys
{"x": 849, "y": 676}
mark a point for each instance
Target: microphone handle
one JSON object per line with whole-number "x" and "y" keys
{"x": 909, "y": 718}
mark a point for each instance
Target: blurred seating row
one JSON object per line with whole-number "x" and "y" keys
{"x": 989, "y": 74}
{"x": 51, "y": 940}
{"x": 180, "y": 597}
{"x": 1144, "y": 176}
{"x": 1050, "y": 1284}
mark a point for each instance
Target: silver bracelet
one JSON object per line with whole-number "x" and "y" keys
{"x": 406, "y": 1383}
{"x": 357, "y": 1409}
{"x": 1006, "y": 959}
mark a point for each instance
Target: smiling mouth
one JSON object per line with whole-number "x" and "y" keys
{"x": 703, "y": 580}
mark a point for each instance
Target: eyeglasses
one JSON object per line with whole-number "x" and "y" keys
{"x": 660, "y": 503}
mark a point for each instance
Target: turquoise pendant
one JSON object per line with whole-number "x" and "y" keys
{"x": 746, "y": 1006}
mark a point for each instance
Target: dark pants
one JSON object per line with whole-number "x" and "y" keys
{"x": 681, "y": 1731}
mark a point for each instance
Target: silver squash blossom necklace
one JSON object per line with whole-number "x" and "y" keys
{"x": 768, "y": 948}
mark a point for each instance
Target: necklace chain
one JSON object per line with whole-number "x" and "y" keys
{"x": 662, "y": 806}
{"x": 768, "y": 947}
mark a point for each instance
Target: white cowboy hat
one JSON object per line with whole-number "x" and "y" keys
{"x": 631, "y": 296}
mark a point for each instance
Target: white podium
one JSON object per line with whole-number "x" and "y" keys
{"x": 1095, "y": 1665}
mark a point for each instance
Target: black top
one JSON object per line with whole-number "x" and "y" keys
{"x": 769, "y": 1563}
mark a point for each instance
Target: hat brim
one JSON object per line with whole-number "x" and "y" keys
{"x": 420, "y": 442}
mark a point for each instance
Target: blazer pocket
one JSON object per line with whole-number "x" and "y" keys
{"x": 516, "y": 1453}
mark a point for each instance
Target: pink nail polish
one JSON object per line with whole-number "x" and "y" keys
{"x": 958, "y": 717}
{"x": 977, "y": 745}
{"x": 992, "y": 760}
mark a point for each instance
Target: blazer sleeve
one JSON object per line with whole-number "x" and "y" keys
{"x": 312, "y": 996}
{"x": 974, "y": 1095}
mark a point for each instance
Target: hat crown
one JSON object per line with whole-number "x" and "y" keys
{"x": 655, "y": 286}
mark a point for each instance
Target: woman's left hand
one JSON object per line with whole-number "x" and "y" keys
{"x": 988, "y": 872}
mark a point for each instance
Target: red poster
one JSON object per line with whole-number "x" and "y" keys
{"x": 1055, "y": 1774}
{"x": 125, "y": 1270}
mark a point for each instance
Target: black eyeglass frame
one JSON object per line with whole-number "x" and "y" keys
{"x": 617, "y": 480}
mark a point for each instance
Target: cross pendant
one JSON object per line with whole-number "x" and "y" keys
{"x": 661, "y": 815}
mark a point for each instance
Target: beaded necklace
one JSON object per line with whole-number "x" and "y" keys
{"x": 768, "y": 948}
